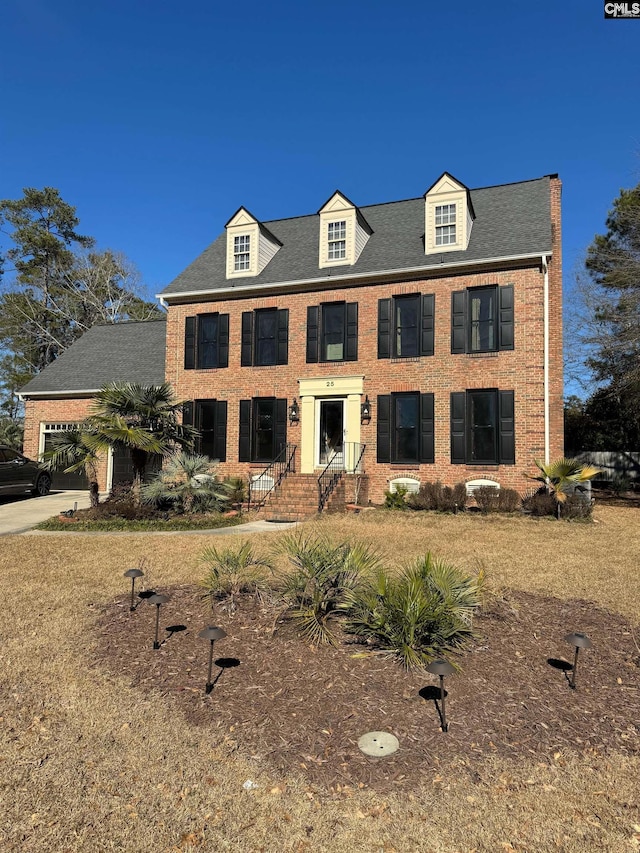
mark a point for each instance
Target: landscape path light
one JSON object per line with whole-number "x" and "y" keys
{"x": 212, "y": 633}
{"x": 579, "y": 641}
{"x": 158, "y": 600}
{"x": 441, "y": 668}
{"x": 133, "y": 574}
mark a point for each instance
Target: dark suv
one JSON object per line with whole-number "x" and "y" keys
{"x": 19, "y": 474}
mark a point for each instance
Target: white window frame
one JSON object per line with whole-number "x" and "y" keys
{"x": 337, "y": 240}
{"x": 241, "y": 252}
{"x": 446, "y": 224}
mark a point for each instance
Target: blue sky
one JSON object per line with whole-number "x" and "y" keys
{"x": 157, "y": 120}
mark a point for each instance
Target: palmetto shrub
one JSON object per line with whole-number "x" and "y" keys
{"x": 423, "y": 613}
{"x": 232, "y": 572}
{"x": 188, "y": 484}
{"x": 435, "y": 496}
{"x": 322, "y": 582}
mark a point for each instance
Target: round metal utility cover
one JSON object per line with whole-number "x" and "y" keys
{"x": 378, "y": 743}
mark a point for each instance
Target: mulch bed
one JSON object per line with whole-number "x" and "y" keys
{"x": 296, "y": 709}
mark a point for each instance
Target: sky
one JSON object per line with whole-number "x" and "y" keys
{"x": 157, "y": 120}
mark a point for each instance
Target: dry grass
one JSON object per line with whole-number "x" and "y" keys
{"x": 90, "y": 764}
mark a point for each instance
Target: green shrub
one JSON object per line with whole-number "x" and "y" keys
{"x": 435, "y": 496}
{"x": 188, "y": 484}
{"x": 397, "y": 499}
{"x": 424, "y": 613}
{"x": 490, "y": 499}
{"x": 576, "y": 508}
{"x": 232, "y": 572}
{"x": 235, "y": 489}
{"x": 620, "y": 484}
{"x": 323, "y": 583}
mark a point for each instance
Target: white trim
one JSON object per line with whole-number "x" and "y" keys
{"x": 545, "y": 269}
{"x": 374, "y": 274}
{"x": 109, "y": 470}
{"x": 68, "y": 393}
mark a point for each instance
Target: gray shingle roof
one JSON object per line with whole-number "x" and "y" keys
{"x": 511, "y": 220}
{"x": 124, "y": 352}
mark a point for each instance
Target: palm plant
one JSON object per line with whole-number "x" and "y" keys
{"x": 233, "y": 571}
{"x": 188, "y": 481}
{"x": 324, "y": 582}
{"x": 560, "y": 478}
{"x": 72, "y": 451}
{"x": 141, "y": 418}
{"x": 424, "y": 613}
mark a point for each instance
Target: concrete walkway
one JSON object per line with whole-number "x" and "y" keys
{"x": 21, "y": 514}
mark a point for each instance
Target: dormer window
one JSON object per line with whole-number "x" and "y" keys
{"x": 448, "y": 216}
{"x": 343, "y": 232}
{"x": 241, "y": 252}
{"x": 445, "y": 216}
{"x": 337, "y": 240}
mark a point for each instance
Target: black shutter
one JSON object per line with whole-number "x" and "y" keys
{"x": 384, "y": 425}
{"x": 244, "y": 444}
{"x": 428, "y": 310}
{"x": 507, "y": 446}
{"x": 458, "y": 321}
{"x": 458, "y": 427}
{"x": 427, "y": 453}
{"x": 351, "y": 349}
{"x": 384, "y": 328}
{"x": 190, "y": 343}
{"x": 220, "y": 431}
{"x": 312, "y": 333}
{"x": 246, "y": 351}
{"x": 280, "y": 434}
{"x": 506, "y": 317}
{"x": 223, "y": 340}
{"x": 282, "y": 339}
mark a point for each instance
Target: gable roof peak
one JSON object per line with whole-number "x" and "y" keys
{"x": 451, "y": 178}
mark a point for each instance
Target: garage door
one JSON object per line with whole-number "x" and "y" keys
{"x": 60, "y": 480}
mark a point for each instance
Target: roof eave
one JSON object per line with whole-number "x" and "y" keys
{"x": 355, "y": 277}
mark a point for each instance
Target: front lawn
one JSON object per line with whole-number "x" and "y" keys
{"x": 112, "y": 745}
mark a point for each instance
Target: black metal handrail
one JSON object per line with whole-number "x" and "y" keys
{"x": 345, "y": 461}
{"x": 269, "y": 479}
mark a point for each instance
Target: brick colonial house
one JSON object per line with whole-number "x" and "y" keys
{"x": 421, "y": 337}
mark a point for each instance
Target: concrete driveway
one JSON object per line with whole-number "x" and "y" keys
{"x": 20, "y": 513}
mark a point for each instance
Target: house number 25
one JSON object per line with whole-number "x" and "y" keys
{"x": 330, "y": 383}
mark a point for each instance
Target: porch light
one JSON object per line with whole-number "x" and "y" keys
{"x": 133, "y": 574}
{"x": 441, "y": 668}
{"x": 579, "y": 641}
{"x": 294, "y": 412}
{"x": 365, "y": 410}
{"x": 212, "y": 633}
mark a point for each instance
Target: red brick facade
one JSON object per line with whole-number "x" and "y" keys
{"x": 521, "y": 370}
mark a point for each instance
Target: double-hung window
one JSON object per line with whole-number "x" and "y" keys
{"x": 337, "y": 240}
{"x": 406, "y": 326}
{"x": 209, "y": 417}
{"x": 265, "y": 337}
{"x": 483, "y": 427}
{"x": 482, "y": 319}
{"x": 263, "y": 429}
{"x": 332, "y": 332}
{"x": 206, "y": 341}
{"x": 445, "y": 215}
{"x": 405, "y": 430}
{"x": 242, "y": 252}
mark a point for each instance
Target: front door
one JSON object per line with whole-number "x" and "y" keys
{"x": 331, "y": 430}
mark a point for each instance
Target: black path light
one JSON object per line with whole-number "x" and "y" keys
{"x": 211, "y": 633}
{"x": 442, "y": 667}
{"x": 158, "y": 600}
{"x": 580, "y": 641}
{"x": 133, "y": 574}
